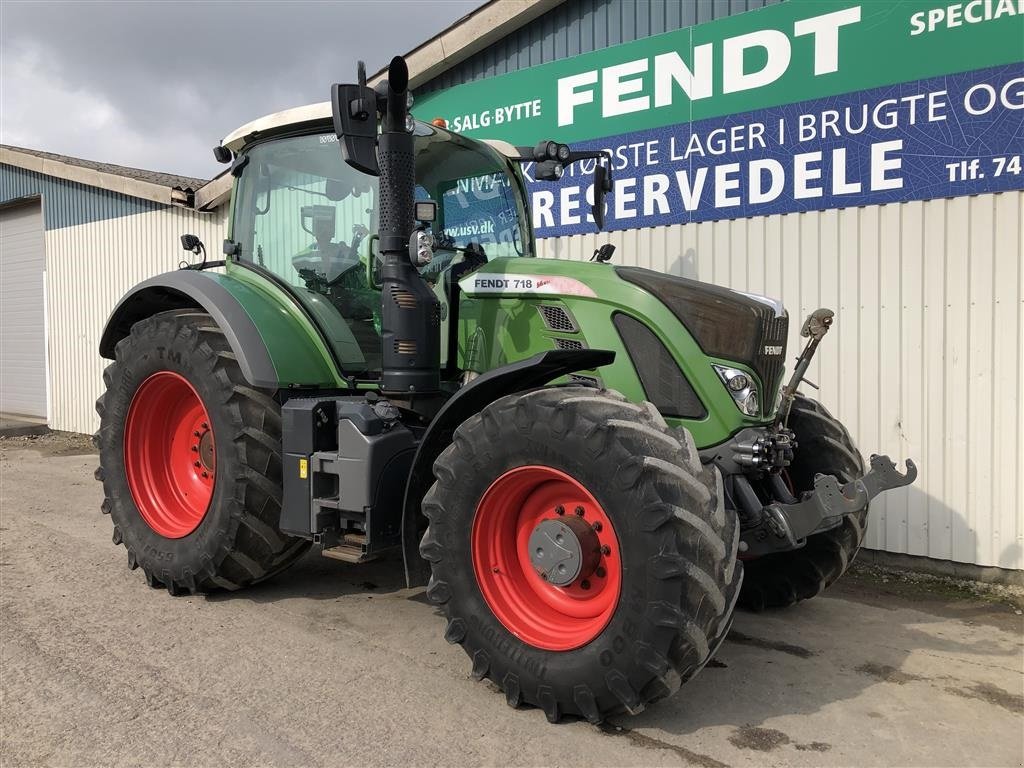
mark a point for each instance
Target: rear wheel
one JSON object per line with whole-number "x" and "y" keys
{"x": 823, "y": 447}
{"x": 190, "y": 459}
{"x": 580, "y": 551}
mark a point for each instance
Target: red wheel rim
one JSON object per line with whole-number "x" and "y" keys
{"x": 169, "y": 454}
{"x": 537, "y": 612}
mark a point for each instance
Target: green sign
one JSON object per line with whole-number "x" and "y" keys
{"x": 795, "y": 51}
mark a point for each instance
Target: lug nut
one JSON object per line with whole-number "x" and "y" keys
{"x": 195, "y": 449}
{"x": 584, "y": 584}
{"x": 597, "y": 526}
{"x": 205, "y": 425}
{"x": 600, "y": 572}
{"x": 605, "y": 549}
{"x": 206, "y": 474}
{"x": 579, "y": 511}
{"x": 559, "y": 510}
{"x": 196, "y": 465}
{"x": 196, "y": 434}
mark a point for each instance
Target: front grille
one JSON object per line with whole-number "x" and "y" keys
{"x": 569, "y": 344}
{"x": 557, "y": 319}
{"x": 771, "y": 366}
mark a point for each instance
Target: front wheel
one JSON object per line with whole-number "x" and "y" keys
{"x": 190, "y": 459}
{"x": 580, "y": 551}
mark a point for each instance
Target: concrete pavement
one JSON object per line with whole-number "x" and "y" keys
{"x": 334, "y": 664}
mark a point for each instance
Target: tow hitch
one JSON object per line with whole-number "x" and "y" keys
{"x": 784, "y": 526}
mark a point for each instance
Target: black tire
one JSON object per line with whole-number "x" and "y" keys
{"x": 680, "y": 576}
{"x": 783, "y": 579}
{"x": 237, "y": 543}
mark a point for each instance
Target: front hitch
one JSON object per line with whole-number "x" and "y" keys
{"x": 785, "y": 526}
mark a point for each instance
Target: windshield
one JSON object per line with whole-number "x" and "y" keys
{"x": 303, "y": 214}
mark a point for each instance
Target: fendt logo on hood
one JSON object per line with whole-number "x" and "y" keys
{"x": 770, "y": 349}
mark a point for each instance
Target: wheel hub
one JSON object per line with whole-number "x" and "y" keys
{"x": 564, "y": 550}
{"x": 204, "y": 447}
{"x": 546, "y": 558}
{"x": 169, "y": 454}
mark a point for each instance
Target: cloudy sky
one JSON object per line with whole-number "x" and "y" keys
{"x": 156, "y": 84}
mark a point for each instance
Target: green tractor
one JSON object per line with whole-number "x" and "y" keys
{"x": 580, "y": 460}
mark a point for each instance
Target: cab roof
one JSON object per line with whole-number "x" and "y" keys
{"x": 307, "y": 115}
{"x": 296, "y": 116}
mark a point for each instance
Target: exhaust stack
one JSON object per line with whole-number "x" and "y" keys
{"x": 410, "y": 312}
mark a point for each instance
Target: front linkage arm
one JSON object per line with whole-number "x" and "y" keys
{"x": 784, "y": 526}
{"x": 815, "y": 327}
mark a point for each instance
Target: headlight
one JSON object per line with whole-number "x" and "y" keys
{"x": 421, "y": 248}
{"x": 741, "y": 386}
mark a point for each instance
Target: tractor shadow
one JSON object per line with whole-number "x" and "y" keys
{"x": 315, "y": 577}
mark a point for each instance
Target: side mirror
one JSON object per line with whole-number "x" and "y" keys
{"x": 222, "y": 154}
{"x": 551, "y": 158}
{"x": 354, "y": 108}
{"x": 602, "y": 185}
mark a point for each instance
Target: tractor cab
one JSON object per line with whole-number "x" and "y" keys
{"x": 310, "y": 221}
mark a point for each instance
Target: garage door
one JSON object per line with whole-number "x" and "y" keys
{"x": 22, "y": 312}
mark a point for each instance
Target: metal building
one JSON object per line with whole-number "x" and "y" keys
{"x": 927, "y": 282}
{"x": 74, "y": 236}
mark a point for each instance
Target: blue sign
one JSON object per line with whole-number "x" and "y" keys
{"x": 940, "y": 137}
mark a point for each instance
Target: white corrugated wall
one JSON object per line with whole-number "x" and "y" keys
{"x": 926, "y": 358}
{"x": 89, "y": 267}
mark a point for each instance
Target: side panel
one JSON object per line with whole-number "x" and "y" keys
{"x": 295, "y": 344}
{"x": 275, "y": 345}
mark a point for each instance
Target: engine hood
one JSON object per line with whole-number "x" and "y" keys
{"x": 730, "y": 325}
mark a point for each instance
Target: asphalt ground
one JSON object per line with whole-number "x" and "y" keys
{"x": 335, "y": 664}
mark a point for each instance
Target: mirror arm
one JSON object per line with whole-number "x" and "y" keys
{"x": 589, "y": 154}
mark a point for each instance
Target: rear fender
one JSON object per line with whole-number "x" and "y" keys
{"x": 525, "y": 374}
{"x": 235, "y": 307}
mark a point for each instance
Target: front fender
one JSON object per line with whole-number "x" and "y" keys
{"x": 274, "y": 348}
{"x": 519, "y": 376}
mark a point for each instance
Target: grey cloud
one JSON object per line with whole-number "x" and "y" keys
{"x": 156, "y": 84}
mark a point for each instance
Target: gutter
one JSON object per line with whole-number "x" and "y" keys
{"x": 469, "y": 35}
